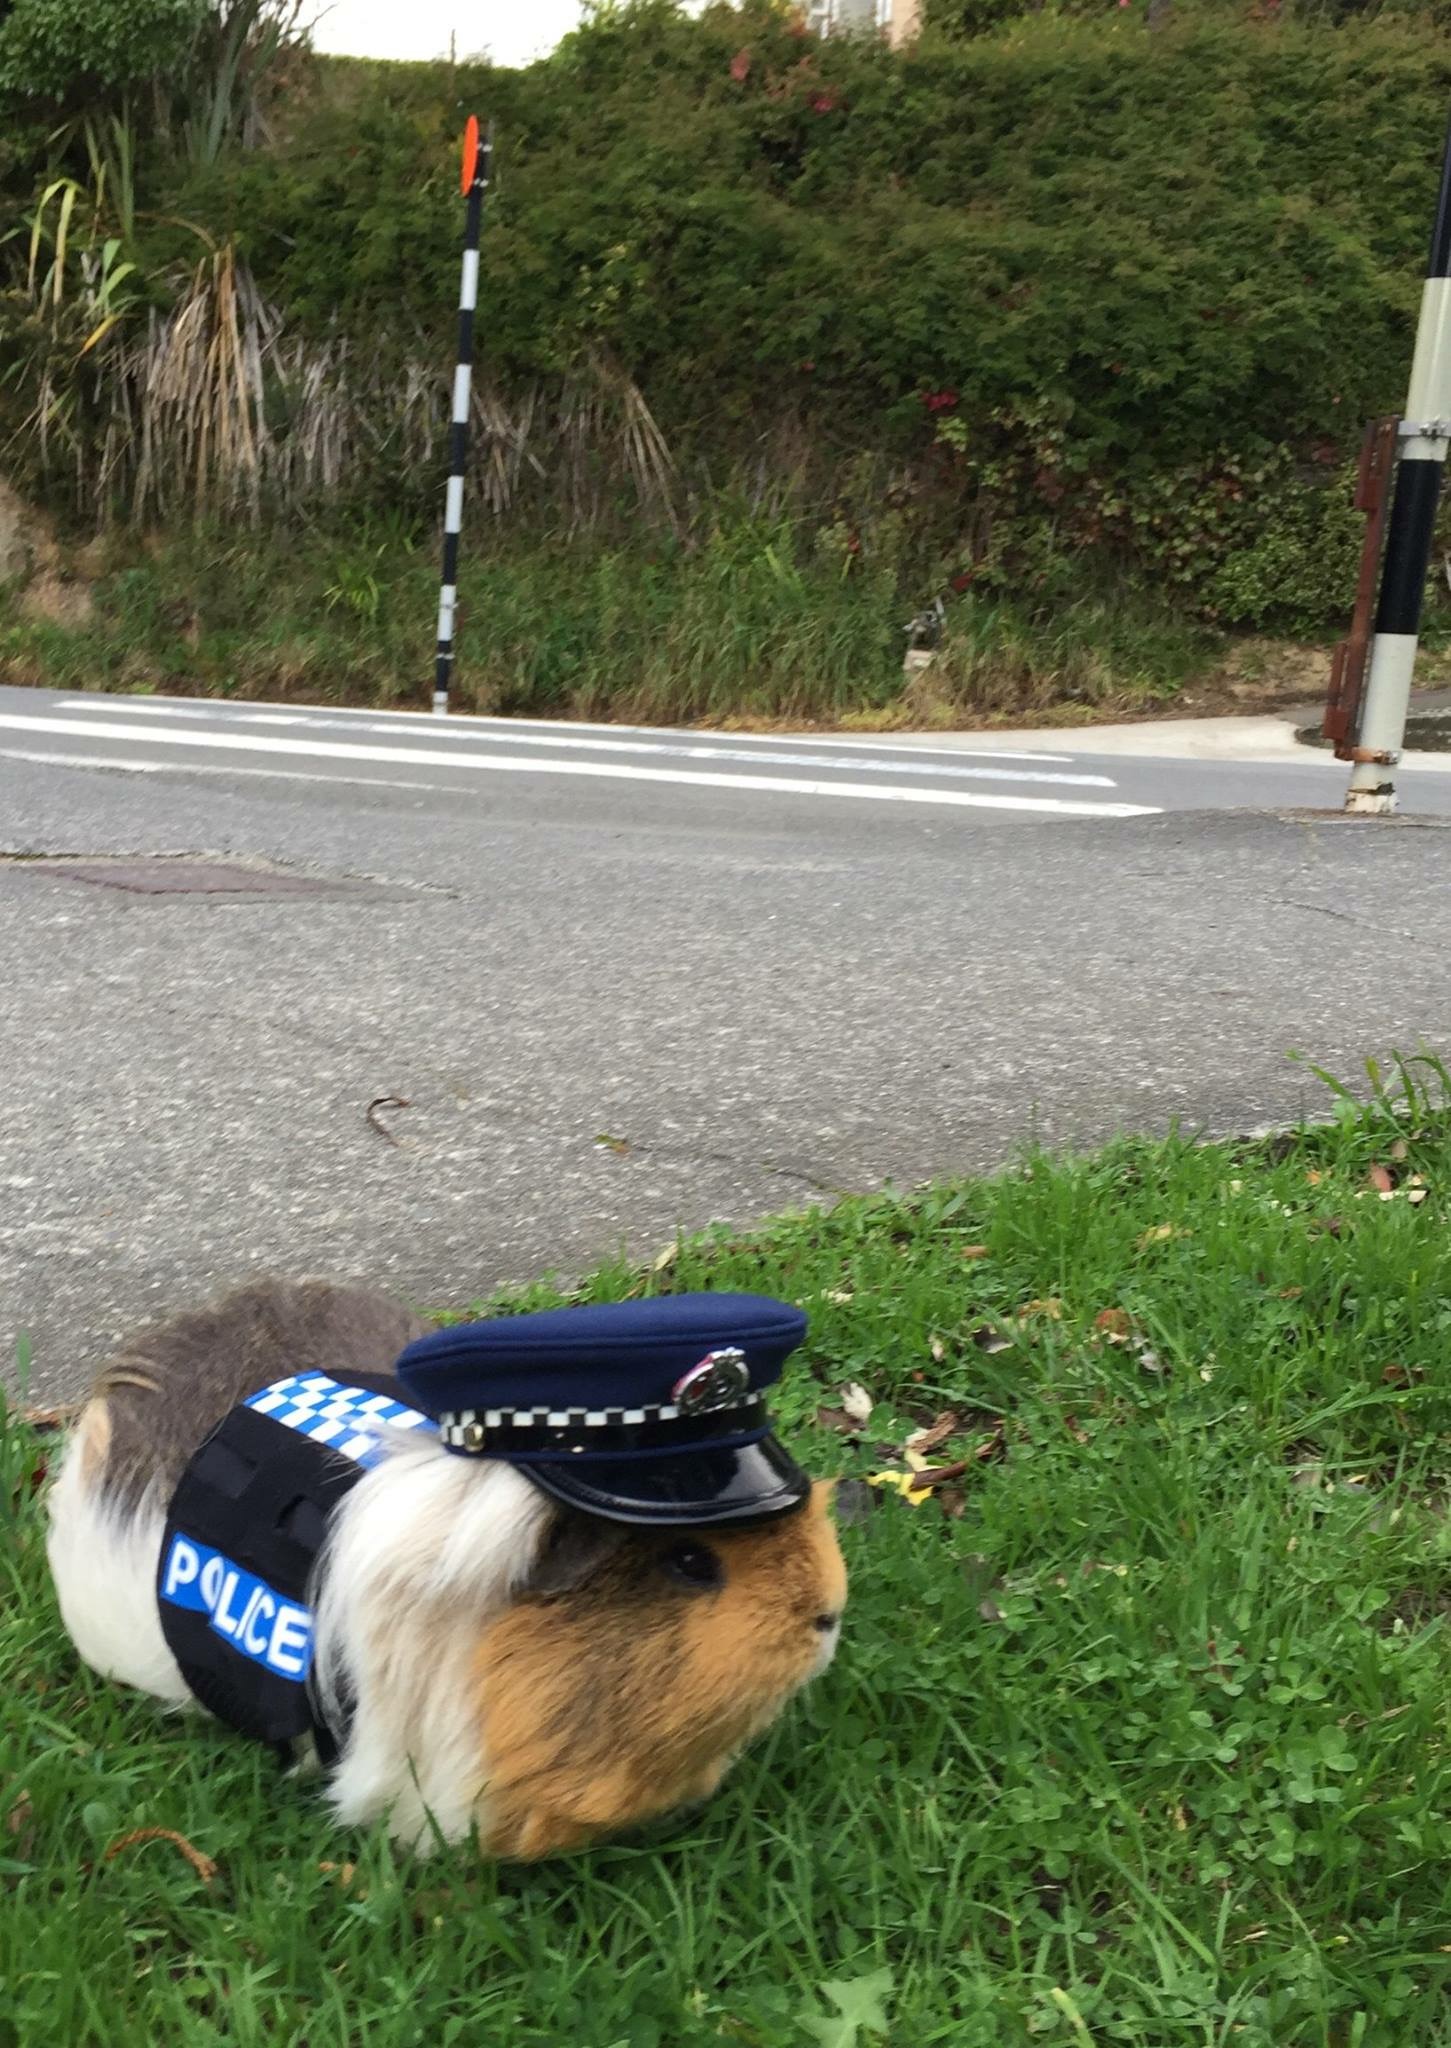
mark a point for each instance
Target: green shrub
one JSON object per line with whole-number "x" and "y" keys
{"x": 52, "y": 49}
{"x": 1071, "y": 297}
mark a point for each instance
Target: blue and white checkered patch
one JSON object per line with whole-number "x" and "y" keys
{"x": 348, "y": 1419}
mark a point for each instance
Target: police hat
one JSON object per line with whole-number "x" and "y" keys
{"x": 639, "y": 1411}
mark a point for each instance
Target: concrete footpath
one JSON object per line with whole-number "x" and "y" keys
{"x": 760, "y": 1002}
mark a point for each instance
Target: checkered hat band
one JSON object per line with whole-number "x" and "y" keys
{"x": 506, "y": 1430}
{"x": 348, "y": 1420}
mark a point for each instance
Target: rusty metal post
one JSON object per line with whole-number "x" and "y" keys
{"x": 1424, "y": 436}
{"x": 1350, "y": 659}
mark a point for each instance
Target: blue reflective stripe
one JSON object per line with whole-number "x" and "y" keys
{"x": 346, "y": 1419}
{"x": 250, "y": 1616}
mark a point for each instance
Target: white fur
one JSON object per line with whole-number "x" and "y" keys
{"x": 424, "y": 1551}
{"x": 104, "y": 1566}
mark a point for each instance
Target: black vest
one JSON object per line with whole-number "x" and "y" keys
{"x": 243, "y": 1532}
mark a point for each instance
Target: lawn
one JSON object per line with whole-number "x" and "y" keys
{"x": 1139, "y": 1731}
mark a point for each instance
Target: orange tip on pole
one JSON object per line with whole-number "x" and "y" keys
{"x": 471, "y": 154}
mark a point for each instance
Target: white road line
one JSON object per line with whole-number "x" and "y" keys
{"x": 336, "y": 750}
{"x": 678, "y": 747}
{"x": 120, "y": 763}
{"x": 463, "y": 725}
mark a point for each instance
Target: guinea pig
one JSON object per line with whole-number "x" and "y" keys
{"x": 482, "y": 1655}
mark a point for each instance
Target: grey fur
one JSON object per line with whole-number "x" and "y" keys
{"x": 175, "y": 1380}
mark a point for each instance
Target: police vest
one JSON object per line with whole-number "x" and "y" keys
{"x": 243, "y": 1531}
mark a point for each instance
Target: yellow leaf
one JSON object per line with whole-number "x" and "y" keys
{"x": 1160, "y": 1233}
{"x": 98, "y": 333}
{"x": 901, "y": 1482}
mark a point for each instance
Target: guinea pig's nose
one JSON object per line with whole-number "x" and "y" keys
{"x": 826, "y": 1622}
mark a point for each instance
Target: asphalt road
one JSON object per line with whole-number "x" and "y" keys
{"x": 775, "y": 967}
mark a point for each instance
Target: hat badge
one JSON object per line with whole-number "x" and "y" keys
{"x": 719, "y": 1381}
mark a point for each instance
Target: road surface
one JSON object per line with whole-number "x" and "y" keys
{"x": 767, "y": 968}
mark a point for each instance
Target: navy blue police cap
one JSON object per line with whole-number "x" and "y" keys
{"x": 646, "y": 1412}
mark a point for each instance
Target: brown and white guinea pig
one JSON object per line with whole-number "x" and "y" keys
{"x": 490, "y": 1656}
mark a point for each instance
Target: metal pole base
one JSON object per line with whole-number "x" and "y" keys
{"x": 440, "y": 704}
{"x": 1372, "y": 803}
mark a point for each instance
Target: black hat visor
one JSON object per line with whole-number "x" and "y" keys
{"x": 693, "y": 1490}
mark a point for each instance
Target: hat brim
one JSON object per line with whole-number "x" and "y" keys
{"x": 691, "y": 1490}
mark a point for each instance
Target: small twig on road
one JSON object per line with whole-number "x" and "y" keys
{"x": 386, "y": 1102}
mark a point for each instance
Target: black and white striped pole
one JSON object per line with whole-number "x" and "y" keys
{"x": 1423, "y": 435}
{"x": 474, "y": 182}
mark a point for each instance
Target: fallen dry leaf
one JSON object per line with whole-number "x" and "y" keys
{"x": 857, "y": 1402}
{"x": 1402, "y": 1375}
{"x": 20, "y": 1826}
{"x": 1400, "y": 1150}
{"x": 204, "y": 1867}
{"x": 973, "y": 1251}
{"x": 666, "y": 1258}
{"x": 344, "y": 1872}
{"x": 837, "y": 1419}
{"x": 938, "y": 1431}
{"x": 1381, "y": 1178}
{"x": 839, "y": 1296}
{"x": 1160, "y": 1233}
{"x": 1050, "y": 1310}
{"x": 1291, "y": 1293}
{"x": 988, "y": 1337}
{"x": 902, "y": 1483}
{"x": 1114, "y": 1323}
{"x": 938, "y": 1350}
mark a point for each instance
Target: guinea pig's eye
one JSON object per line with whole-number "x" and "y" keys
{"x": 691, "y": 1564}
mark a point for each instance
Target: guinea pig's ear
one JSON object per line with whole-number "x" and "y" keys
{"x": 573, "y": 1549}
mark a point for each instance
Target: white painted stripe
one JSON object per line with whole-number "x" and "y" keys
{"x": 1429, "y": 395}
{"x": 679, "y": 746}
{"x": 774, "y": 759}
{"x": 468, "y": 291}
{"x": 462, "y": 378}
{"x": 766, "y": 785}
{"x": 447, "y": 595}
{"x": 122, "y": 765}
{"x": 1387, "y": 700}
{"x": 206, "y": 707}
{"x": 453, "y": 505}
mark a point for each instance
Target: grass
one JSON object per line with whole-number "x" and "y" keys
{"x": 1146, "y": 1745}
{"x": 759, "y": 618}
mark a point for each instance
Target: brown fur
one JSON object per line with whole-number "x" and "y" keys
{"x": 154, "y": 1402}
{"x": 628, "y": 1695}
